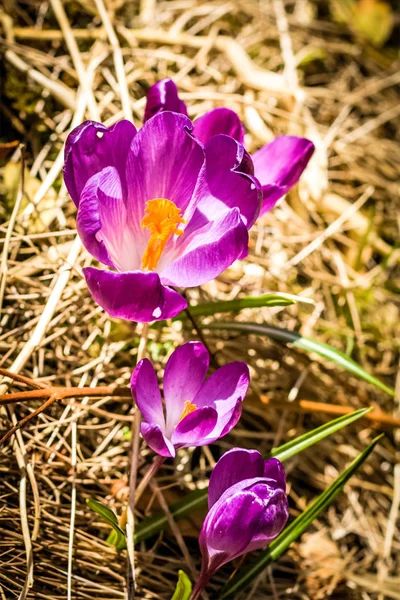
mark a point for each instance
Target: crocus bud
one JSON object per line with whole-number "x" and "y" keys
{"x": 248, "y": 508}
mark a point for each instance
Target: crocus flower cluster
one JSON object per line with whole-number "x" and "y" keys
{"x": 248, "y": 508}
{"x": 197, "y": 411}
{"x": 170, "y": 206}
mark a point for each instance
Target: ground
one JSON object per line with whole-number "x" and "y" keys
{"x": 287, "y": 68}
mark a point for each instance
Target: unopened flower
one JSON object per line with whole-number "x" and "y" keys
{"x": 196, "y": 411}
{"x": 248, "y": 508}
{"x": 159, "y": 208}
{"x": 278, "y": 165}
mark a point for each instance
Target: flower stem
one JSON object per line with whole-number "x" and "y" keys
{"x": 158, "y": 461}
{"x": 200, "y": 585}
{"x": 130, "y": 525}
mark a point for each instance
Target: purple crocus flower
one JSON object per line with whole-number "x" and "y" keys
{"x": 196, "y": 411}
{"x": 248, "y": 508}
{"x": 159, "y": 208}
{"x": 278, "y": 165}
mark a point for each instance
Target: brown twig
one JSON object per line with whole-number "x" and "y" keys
{"x": 28, "y": 418}
{"x": 310, "y": 406}
{"x": 22, "y": 379}
{"x": 62, "y": 393}
{"x": 65, "y": 392}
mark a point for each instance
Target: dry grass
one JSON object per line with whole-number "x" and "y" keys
{"x": 63, "y": 63}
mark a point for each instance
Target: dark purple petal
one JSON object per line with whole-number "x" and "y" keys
{"x": 279, "y": 165}
{"x": 157, "y": 440}
{"x": 246, "y": 516}
{"x": 134, "y": 295}
{"x": 185, "y": 372}
{"x": 233, "y": 466}
{"x": 165, "y": 162}
{"x": 229, "y": 182}
{"x": 219, "y": 120}
{"x": 273, "y": 518}
{"x": 273, "y": 469}
{"x": 195, "y": 428}
{"x": 146, "y": 393}
{"x": 90, "y": 148}
{"x": 161, "y": 96}
{"x": 229, "y": 528}
{"x": 208, "y": 251}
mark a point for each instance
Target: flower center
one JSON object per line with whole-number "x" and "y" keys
{"x": 162, "y": 217}
{"x": 189, "y": 408}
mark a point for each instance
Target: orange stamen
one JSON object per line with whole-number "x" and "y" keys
{"x": 189, "y": 408}
{"x": 162, "y": 217}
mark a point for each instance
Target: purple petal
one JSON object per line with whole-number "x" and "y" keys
{"x": 233, "y": 418}
{"x": 134, "y": 295}
{"x": 219, "y": 120}
{"x": 102, "y": 222}
{"x": 208, "y": 251}
{"x": 229, "y": 182}
{"x": 161, "y": 96}
{"x": 233, "y": 466}
{"x": 195, "y": 428}
{"x": 90, "y": 148}
{"x": 157, "y": 440}
{"x": 88, "y": 221}
{"x": 224, "y": 391}
{"x": 273, "y": 469}
{"x": 165, "y": 162}
{"x": 279, "y": 165}
{"x": 224, "y": 387}
{"x": 146, "y": 393}
{"x": 185, "y": 372}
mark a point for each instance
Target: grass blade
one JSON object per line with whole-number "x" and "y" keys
{"x": 118, "y": 539}
{"x": 247, "y": 575}
{"x": 155, "y": 524}
{"x": 292, "y": 337}
{"x": 198, "y": 498}
{"x": 183, "y": 587}
{"x": 306, "y": 440}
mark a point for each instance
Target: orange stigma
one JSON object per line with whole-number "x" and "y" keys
{"x": 162, "y": 217}
{"x": 189, "y": 408}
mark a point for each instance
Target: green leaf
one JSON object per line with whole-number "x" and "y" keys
{"x": 183, "y": 587}
{"x": 118, "y": 539}
{"x": 114, "y": 539}
{"x": 247, "y": 575}
{"x": 208, "y": 309}
{"x": 211, "y": 308}
{"x": 308, "y": 344}
{"x": 198, "y": 498}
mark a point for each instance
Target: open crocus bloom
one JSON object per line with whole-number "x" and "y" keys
{"x": 248, "y": 508}
{"x": 158, "y": 207}
{"x": 197, "y": 411}
{"x": 278, "y": 165}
